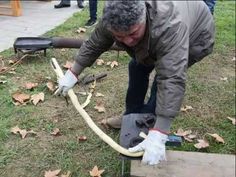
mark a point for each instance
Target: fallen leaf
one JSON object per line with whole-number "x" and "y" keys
{"x": 30, "y": 85}
{"x": 3, "y": 68}
{"x": 223, "y": 78}
{"x": 11, "y": 72}
{"x": 50, "y": 173}
{"x": 100, "y": 107}
{"x": 114, "y": 64}
{"x": 11, "y": 62}
{"x": 186, "y": 108}
{"x": 15, "y": 129}
{"x": 81, "y": 30}
{"x": 56, "y": 131}
{"x": 82, "y": 138}
{"x": 2, "y": 82}
{"x": 36, "y": 98}
{"x": 217, "y": 137}
{"x": 99, "y": 95}
{"x": 22, "y": 132}
{"x": 100, "y": 62}
{"x": 67, "y": 174}
{"x": 50, "y": 86}
{"x": 68, "y": 65}
{"x": 201, "y": 144}
{"x": 190, "y": 138}
{"x": 95, "y": 172}
{"x": 232, "y": 119}
{"x": 181, "y": 132}
{"x": 108, "y": 63}
{"x": 20, "y": 97}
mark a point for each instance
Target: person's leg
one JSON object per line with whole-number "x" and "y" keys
{"x": 211, "y": 4}
{"x": 80, "y": 3}
{"x": 138, "y": 85}
{"x": 93, "y": 13}
{"x": 63, "y": 3}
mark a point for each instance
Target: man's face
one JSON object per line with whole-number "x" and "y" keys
{"x": 132, "y": 36}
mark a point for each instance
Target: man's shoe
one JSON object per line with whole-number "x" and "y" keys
{"x": 113, "y": 122}
{"x": 90, "y": 23}
{"x": 80, "y": 5}
{"x": 61, "y": 5}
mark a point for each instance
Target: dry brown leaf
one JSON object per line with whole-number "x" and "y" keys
{"x": 68, "y": 65}
{"x": 223, "y": 78}
{"x": 22, "y": 132}
{"x": 36, "y": 98}
{"x": 186, "y": 108}
{"x": 99, "y": 95}
{"x": 56, "y": 131}
{"x": 114, "y": 64}
{"x": 81, "y": 30}
{"x": 100, "y": 62}
{"x": 82, "y": 138}
{"x": 50, "y": 173}
{"x": 201, "y": 144}
{"x": 30, "y": 85}
{"x": 15, "y": 129}
{"x": 11, "y": 72}
{"x": 232, "y": 119}
{"x": 67, "y": 174}
{"x": 2, "y": 82}
{"x": 50, "y": 86}
{"x": 100, "y": 107}
{"x": 190, "y": 138}
{"x": 217, "y": 137}
{"x": 181, "y": 132}
{"x": 20, "y": 97}
{"x": 3, "y": 68}
{"x": 95, "y": 172}
{"x": 11, "y": 62}
{"x": 108, "y": 63}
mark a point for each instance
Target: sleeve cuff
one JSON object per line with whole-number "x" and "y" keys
{"x": 77, "y": 68}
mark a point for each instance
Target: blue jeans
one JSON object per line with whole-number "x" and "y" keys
{"x": 93, "y": 9}
{"x": 211, "y": 4}
{"x": 137, "y": 89}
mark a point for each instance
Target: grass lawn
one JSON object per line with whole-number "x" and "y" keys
{"x": 212, "y": 99}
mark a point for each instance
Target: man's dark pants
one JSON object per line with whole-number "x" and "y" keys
{"x": 93, "y": 9}
{"x": 138, "y": 86}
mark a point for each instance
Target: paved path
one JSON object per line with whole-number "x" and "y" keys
{"x": 38, "y": 17}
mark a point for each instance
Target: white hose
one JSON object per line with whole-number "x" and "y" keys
{"x": 89, "y": 121}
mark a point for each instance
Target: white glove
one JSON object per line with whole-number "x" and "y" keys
{"x": 66, "y": 83}
{"x": 153, "y": 147}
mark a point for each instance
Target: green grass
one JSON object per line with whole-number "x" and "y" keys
{"x": 212, "y": 99}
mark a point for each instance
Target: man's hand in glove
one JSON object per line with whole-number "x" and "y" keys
{"x": 66, "y": 83}
{"x": 153, "y": 147}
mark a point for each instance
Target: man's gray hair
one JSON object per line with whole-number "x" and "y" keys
{"x": 120, "y": 15}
